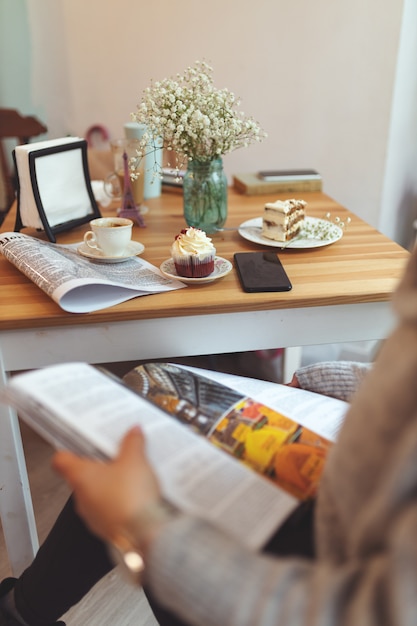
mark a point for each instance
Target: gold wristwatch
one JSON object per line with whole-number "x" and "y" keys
{"x": 131, "y": 559}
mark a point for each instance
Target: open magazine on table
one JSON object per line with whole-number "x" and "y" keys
{"x": 77, "y": 284}
{"x": 239, "y": 452}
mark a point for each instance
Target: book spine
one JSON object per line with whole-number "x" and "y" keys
{"x": 276, "y": 186}
{"x": 168, "y": 188}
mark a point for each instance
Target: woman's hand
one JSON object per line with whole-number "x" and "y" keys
{"x": 112, "y": 496}
{"x": 294, "y": 382}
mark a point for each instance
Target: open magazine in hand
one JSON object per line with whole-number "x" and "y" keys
{"x": 274, "y": 445}
{"x": 242, "y": 462}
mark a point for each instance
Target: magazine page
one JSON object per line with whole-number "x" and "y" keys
{"x": 64, "y": 275}
{"x": 81, "y": 408}
{"x": 322, "y": 414}
{"x": 269, "y": 439}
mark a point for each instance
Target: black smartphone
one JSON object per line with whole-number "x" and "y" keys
{"x": 261, "y": 271}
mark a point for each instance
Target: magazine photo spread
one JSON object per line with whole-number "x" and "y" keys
{"x": 75, "y": 283}
{"x": 241, "y": 462}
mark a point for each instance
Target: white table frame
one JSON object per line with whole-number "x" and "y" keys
{"x": 150, "y": 339}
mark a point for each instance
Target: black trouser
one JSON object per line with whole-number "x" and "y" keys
{"x": 68, "y": 564}
{"x": 72, "y": 560}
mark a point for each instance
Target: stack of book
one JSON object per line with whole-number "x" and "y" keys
{"x": 172, "y": 179}
{"x": 277, "y": 181}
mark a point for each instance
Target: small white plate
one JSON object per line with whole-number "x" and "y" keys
{"x": 133, "y": 249}
{"x": 314, "y": 234}
{"x": 221, "y": 268}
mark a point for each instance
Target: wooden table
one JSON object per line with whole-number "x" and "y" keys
{"x": 340, "y": 293}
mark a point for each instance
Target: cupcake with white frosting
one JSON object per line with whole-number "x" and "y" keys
{"x": 193, "y": 253}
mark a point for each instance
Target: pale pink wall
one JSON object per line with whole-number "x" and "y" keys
{"x": 318, "y": 75}
{"x": 399, "y": 192}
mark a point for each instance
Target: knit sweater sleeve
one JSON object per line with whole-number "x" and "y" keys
{"x": 207, "y": 579}
{"x": 338, "y": 379}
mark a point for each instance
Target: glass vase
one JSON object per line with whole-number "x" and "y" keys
{"x": 205, "y": 195}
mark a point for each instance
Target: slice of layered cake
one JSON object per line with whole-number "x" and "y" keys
{"x": 282, "y": 220}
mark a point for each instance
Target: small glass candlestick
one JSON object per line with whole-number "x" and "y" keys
{"x": 129, "y": 209}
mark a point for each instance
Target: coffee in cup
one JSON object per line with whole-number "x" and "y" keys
{"x": 110, "y": 236}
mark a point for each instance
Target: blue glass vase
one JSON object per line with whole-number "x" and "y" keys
{"x": 205, "y": 195}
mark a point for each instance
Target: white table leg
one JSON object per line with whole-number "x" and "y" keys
{"x": 291, "y": 360}
{"x": 16, "y": 510}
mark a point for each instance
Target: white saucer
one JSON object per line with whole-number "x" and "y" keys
{"x": 221, "y": 268}
{"x": 314, "y": 234}
{"x": 133, "y": 249}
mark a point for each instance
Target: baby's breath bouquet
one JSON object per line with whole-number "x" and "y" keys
{"x": 194, "y": 118}
{"x": 200, "y": 124}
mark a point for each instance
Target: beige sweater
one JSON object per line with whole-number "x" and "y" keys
{"x": 365, "y": 572}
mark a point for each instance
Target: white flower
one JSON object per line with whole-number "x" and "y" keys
{"x": 194, "y": 118}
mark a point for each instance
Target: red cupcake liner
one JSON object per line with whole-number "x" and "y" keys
{"x": 193, "y": 268}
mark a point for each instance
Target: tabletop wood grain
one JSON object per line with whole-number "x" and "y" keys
{"x": 363, "y": 266}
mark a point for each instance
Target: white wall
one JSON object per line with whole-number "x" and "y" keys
{"x": 399, "y": 195}
{"x": 14, "y": 53}
{"x": 318, "y": 75}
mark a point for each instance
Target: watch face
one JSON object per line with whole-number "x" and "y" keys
{"x": 132, "y": 564}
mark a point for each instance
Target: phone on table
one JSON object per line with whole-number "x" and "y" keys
{"x": 261, "y": 271}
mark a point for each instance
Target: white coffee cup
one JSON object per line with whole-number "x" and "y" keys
{"x": 109, "y": 235}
